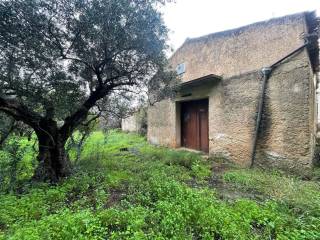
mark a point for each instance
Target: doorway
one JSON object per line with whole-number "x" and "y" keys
{"x": 194, "y": 125}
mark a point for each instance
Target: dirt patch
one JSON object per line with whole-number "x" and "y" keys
{"x": 226, "y": 190}
{"x": 219, "y": 166}
{"x": 116, "y": 195}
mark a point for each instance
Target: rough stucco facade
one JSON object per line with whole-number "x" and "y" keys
{"x": 135, "y": 122}
{"x": 130, "y": 124}
{"x": 287, "y": 133}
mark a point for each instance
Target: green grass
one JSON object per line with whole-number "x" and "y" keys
{"x": 291, "y": 190}
{"x": 124, "y": 188}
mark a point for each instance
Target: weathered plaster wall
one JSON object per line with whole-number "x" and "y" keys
{"x": 162, "y": 124}
{"x": 287, "y": 133}
{"x": 129, "y": 124}
{"x": 232, "y": 111}
{"x": 135, "y": 122}
{"x": 241, "y": 50}
{"x": 289, "y": 123}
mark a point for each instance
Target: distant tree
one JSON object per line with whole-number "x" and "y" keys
{"x": 9, "y": 126}
{"x": 118, "y": 106}
{"x": 60, "y": 58}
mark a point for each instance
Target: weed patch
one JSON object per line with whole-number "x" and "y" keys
{"x": 124, "y": 188}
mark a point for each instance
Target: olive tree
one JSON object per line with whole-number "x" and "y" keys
{"x": 60, "y": 58}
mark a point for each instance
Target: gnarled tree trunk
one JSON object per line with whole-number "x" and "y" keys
{"x": 53, "y": 159}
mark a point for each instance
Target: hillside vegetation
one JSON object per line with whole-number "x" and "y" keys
{"x": 124, "y": 188}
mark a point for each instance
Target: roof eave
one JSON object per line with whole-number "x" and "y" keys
{"x": 210, "y": 78}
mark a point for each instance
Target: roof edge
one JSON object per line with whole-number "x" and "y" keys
{"x": 241, "y": 28}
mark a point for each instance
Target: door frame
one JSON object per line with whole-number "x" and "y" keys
{"x": 179, "y": 125}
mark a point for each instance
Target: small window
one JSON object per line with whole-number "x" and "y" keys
{"x": 181, "y": 68}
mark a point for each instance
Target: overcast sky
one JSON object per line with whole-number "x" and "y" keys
{"x": 193, "y": 18}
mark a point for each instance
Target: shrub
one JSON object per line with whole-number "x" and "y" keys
{"x": 17, "y": 162}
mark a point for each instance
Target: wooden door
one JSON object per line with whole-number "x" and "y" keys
{"x": 203, "y": 128}
{"x": 194, "y": 125}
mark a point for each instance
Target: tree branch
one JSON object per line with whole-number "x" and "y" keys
{"x": 91, "y": 120}
{"x": 80, "y": 115}
{"x": 62, "y": 50}
{"x": 19, "y": 112}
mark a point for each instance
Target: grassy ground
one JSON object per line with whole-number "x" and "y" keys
{"x": 123, "y": 188}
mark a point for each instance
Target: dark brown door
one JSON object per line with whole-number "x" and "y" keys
{"x": 194, "y": 125}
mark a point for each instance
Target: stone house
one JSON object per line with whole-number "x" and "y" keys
{"x": 248, "y": 94}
